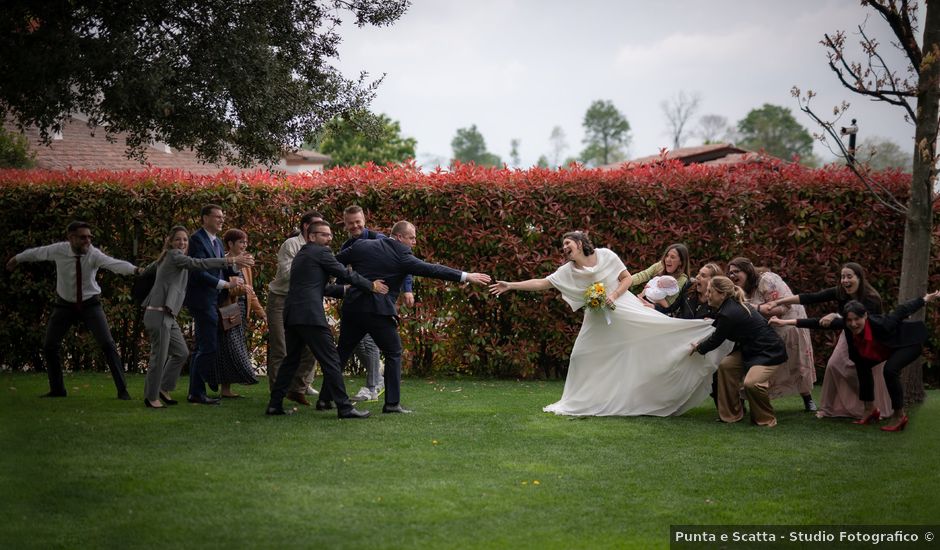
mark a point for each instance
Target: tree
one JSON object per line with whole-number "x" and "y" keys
{"x": 542, "y": 162}
{"x": 236, "y": 81}
{"x": 514, "y": 152}
{"x": 879, "y": 153}
{"x": 559, "y": 144}
{"x": 14, "y": 150}
{"x": 678, "y": 111}
{"x": 469, "y": 146}
{"x": 363, "y": 137}
{"x": 606, "y": 134}
{"x": 773, "y": 129}
{"x": 714, "y": 129}
{"x": 920, "y": 81}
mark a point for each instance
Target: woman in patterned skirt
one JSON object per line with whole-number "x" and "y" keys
{"x": 234, "y": 364}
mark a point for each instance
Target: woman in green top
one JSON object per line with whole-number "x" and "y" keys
{"x": 675, "y": 262}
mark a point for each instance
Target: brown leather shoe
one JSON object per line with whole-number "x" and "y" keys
{"x": 298, "y": 397}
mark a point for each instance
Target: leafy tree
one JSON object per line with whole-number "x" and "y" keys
{"x": 678, "y": 111}
{"x": 364, "y": 137}
{"x": 236, "y": 81}
{"x": 880, "y": 153}
{"x": 606, "y": 134}
{"x": 469, "y": 146}
{"x": 14, "y": 150}
{"x": 773, "y": 129}
{"x": 919, "y": 80}
{"x": 542, "y": 162}
{"x": 714, "y": 129}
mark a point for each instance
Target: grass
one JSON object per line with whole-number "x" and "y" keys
{"x": 477, "y": 466}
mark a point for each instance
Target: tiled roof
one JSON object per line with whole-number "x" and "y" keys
{"x": 712, "y": 154}
{"x": 78, "y": 149}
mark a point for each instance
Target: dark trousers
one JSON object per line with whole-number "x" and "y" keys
{"x": 207, "y": 348}
{"x": 64, "y": 315}
{"x": 384, "y": 332}
{"x": 900, "y": 358}
{"x": 319, "y": 340}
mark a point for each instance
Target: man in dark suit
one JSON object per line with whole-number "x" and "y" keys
{"x": 390, "y": 260}
{"x": 202, "y": 301}
{"x": 305, "y": 321}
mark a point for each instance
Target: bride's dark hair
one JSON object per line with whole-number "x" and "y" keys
{"x": 581, "y": 237}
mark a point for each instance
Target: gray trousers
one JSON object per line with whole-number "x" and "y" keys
{"x": 168, "y": 353}
{"x": 277, "y": 348}
{"x": 367, "y": 353}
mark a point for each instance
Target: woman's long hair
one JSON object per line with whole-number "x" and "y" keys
{"x": 683, "y": 252}
{"x": 728, "y": 289}
{"x": 746, "y": 266}
{"x": 168, "y": 242}
{"x": 865, "y": 292}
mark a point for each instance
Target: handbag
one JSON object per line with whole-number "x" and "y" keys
{"x": 230, "y": 316}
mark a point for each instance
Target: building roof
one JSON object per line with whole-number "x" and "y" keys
{"x": 78, "y": 147}
{"x": 712, "y": 154}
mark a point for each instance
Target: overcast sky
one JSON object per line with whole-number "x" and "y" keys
{"x": 518, "y": 68}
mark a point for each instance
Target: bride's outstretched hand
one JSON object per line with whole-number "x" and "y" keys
{"x": 499, "y": 287}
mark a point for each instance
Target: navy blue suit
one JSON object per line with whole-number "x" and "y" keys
{"x": 202, "y": 301}
{"x": 376, "y": 314}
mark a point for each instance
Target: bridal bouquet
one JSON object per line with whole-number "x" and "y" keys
{"x": 595, "y": 297}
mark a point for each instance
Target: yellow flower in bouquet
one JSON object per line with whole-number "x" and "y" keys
{"x": 595, "y": 297}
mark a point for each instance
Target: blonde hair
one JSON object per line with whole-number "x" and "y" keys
{"x": 714, "y": 269}
{"x": 723, "y": 285}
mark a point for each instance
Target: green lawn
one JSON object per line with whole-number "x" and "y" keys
{"x": 477, "y": 466}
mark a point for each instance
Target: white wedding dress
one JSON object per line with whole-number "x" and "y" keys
{"x": 639, "y": 364}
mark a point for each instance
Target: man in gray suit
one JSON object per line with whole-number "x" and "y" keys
{"x": 305, "y": 321}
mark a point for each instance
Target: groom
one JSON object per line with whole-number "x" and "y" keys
{"x": 363, "y": 313}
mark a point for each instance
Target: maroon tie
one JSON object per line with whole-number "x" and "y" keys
{"x": 78, "y": 282}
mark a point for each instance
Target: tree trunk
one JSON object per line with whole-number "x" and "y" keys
{"x": 917, "y": 229}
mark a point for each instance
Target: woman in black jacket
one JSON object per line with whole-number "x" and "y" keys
{"x": 872, "y": 339}
{"x": 759, "y": 352}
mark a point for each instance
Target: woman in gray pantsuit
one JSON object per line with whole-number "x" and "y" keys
{"x": 168, "y": 350}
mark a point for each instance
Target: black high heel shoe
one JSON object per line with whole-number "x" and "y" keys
{"x": 166, "y": 399}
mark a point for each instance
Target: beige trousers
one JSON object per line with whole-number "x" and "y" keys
{"x": 731, "y": 378}
{"x": 277, "y": 348}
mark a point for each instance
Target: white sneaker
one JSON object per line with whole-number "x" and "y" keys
{"x": 377, "y": 393}
{"x": 311, "y": 391}
{"x": 364, "y": 394}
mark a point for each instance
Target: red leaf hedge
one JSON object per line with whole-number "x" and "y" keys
{"x": 799, "y": 222}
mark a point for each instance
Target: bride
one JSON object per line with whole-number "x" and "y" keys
{"x": 632, "y": 360}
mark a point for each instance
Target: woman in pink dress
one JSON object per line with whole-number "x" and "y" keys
{"x": 798, "y": 374}
{"x": 839, "y": 394}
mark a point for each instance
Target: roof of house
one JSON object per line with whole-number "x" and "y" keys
{"x": 712, "y": 154}
{"x": 79, "y": 147}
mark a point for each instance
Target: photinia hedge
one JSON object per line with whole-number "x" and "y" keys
{"x": 801, "y": 223}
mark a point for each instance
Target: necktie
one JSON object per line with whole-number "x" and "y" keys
{"x": 78, "y": 281}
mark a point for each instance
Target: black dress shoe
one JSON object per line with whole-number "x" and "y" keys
{"x": 150, "y": 405}
{"x": 353, "y": 413}
{"x": 124, "y": 396}
{"x": 166, "y": 399}
{"x": 324, "y": 405}
{"x": 54, "y": 394}
{"x": 278, "y": 411}
{"x": 390, "y": 409}
{"x": 203, "y": 400}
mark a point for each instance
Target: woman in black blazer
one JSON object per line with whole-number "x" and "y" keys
{"x": 758, "y": 353}
{"x": 874, "y": 338}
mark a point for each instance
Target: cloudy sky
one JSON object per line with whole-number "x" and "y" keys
{"x": 518, "y": 68}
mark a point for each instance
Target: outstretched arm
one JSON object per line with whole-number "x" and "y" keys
{"x": 500, "y": 287}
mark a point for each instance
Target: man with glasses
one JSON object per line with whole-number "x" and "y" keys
{"x": 77, "y": 300}
{"x": 389, "y": 260}
{"x": 305, "y": 323}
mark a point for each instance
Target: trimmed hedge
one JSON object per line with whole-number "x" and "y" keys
{"x": 801, "y": 223}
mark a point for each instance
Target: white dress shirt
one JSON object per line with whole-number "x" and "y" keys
{"x": 64, "y": 258}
